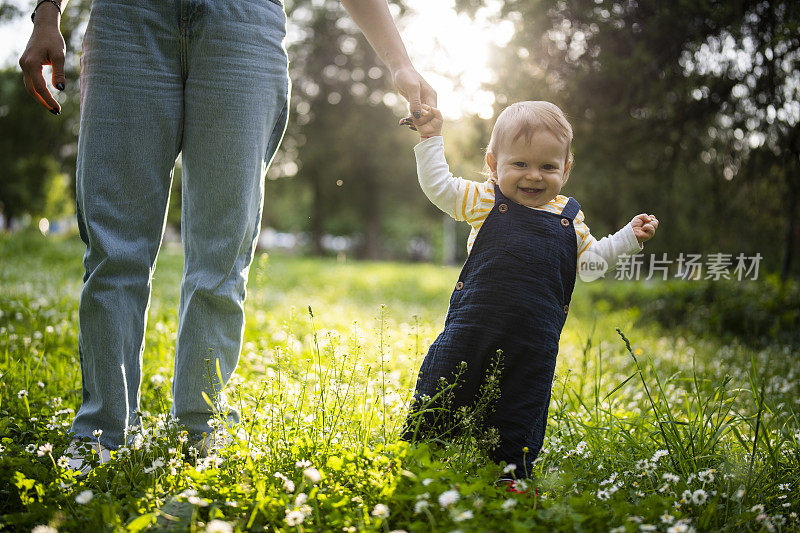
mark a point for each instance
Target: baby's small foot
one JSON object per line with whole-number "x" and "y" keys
{"x": 517, "y": 486}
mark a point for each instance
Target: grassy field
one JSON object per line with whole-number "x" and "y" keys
{"x": 673, "y": 432}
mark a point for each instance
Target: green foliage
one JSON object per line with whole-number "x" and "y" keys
{"x": 651, "y": 433}
{"x": 674, "y": 107}
{"x": 758, "y": 313}
{"x": 34, "y": 180}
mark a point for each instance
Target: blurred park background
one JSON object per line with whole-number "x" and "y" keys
{"x": 687, "y": 110}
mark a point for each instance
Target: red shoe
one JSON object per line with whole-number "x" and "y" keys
{"x": 514, "y": 487}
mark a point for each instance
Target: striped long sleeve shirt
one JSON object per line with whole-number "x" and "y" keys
{"x": 471, "y": 201}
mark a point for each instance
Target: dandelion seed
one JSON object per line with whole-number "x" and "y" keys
{"x": 448, "y": 498}
{"x": 509, "y": 503}
{"x": 218, "y": 526}
{"x": 22, "y": 393}
{"x": 380, "y": 511}
{"x": 44, "y": 449}
{"x": 84, "y": 497}
{"x": 313, "y": 475}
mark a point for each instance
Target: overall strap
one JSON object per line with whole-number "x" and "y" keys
{"x": 498, "y": 196}
{"x": 571, "y": 209}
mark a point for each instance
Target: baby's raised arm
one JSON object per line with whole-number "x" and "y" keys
{"x": 462, "y": 199}
{"x": 626, "y": 241}
{"x": 435, "y": 178}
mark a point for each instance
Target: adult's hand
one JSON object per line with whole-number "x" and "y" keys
{"x": 375, "y": 21}
{"x": 413, "y": 87}
{"x": 45, "y": 47}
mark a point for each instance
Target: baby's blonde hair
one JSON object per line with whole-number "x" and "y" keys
{"x": 525, "y": 119}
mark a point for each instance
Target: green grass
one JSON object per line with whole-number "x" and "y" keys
{"x": 670, "y": 433}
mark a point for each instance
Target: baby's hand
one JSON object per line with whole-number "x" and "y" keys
{"x": 428, "y": 125}
{"x": 644, "y": 227}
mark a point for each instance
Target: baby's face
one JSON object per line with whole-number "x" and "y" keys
{"x": 530, "y": 173}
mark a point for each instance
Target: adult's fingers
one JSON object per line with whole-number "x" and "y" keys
{"x": 428, "y": 95}
{"x": 36, "y": 86}
{"x": 59, "y": 79}
{"x": 414, "y": 101}
{"x": 32, "y": 91}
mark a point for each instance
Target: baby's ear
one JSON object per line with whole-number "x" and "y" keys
{"x": 567, "y": 168}
{"x": 491, "y": 162}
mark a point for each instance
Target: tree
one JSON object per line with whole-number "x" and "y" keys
{"x": 343, "y": 137}
{"x": 37, "y": 150}
{"x": 665, "y": 115}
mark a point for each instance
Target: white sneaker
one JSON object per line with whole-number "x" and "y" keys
{"x": 78, "y": 452}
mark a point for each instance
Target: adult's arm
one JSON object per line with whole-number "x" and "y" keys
{"x": 45, "y": 47}
{"x": 375, "y": 21}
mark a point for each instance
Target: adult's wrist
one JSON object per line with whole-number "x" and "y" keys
{"x": 47, "y": 13}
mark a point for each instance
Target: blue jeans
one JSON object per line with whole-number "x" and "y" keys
{"x": 207, "y": 79}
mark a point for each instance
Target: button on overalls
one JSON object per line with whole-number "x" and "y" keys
{"x": 513, "y": 295}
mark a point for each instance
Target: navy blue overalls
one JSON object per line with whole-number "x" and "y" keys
{"x": 513, "y": 295}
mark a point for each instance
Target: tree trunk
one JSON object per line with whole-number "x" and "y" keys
{"x": 792, "y": 228}
{"x": 317, "y": 215}
{"x": 372, "y": 227}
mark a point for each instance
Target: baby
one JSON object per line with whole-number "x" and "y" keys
{"x": 513, "y": 293}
